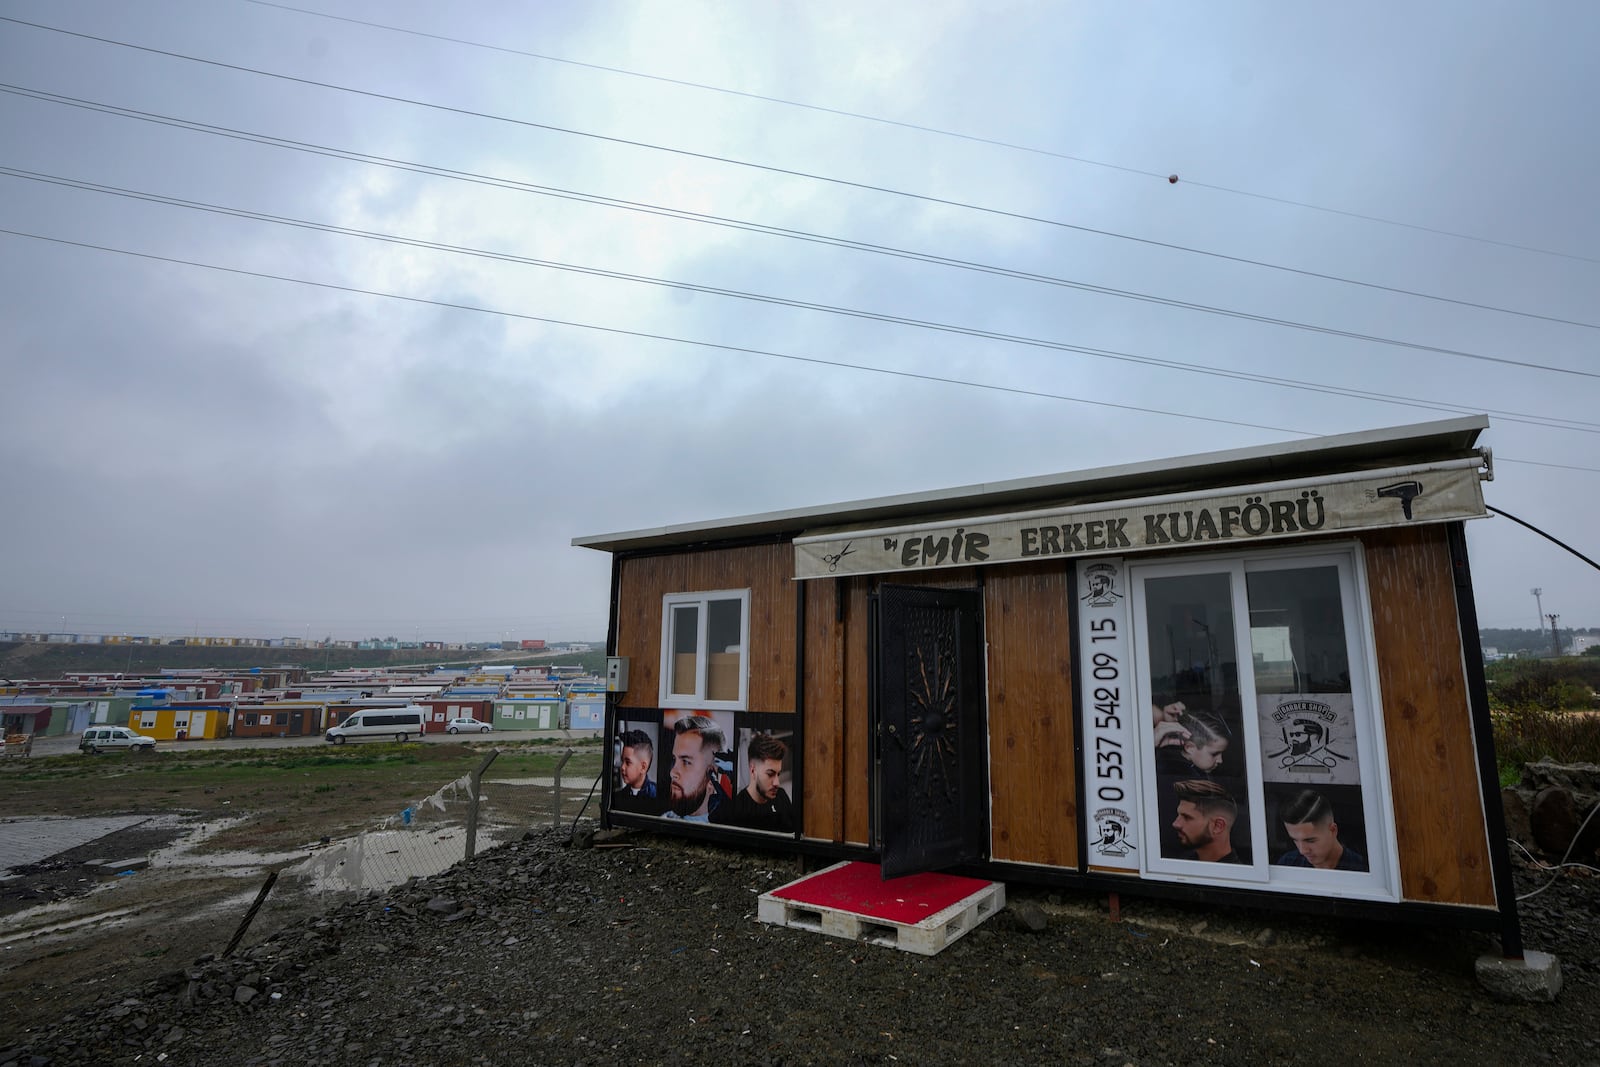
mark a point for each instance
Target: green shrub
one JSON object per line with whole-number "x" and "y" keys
{"x": 1528, "y": 734}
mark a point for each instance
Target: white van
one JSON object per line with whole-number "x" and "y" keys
{"x": 402, "y": 724}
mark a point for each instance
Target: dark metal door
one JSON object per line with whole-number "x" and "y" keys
{"x": 932, "y": 777}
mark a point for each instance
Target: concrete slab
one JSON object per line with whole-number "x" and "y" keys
{"x": 1536, "y": 978}
{"x": 29, "y": 840}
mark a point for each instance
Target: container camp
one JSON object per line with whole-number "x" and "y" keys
{"x": 439, "y": 710}
{"x": 586, "y": 705}
{"x": 68, "y": 714}
{"x": 20, "y": 717}
{"x": 280, "y": 718}
{"x": 1248, "y": 677}
{"x": 529, "y": 711}
{"x": 186, "y": 721}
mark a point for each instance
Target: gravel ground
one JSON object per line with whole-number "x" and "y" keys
{"x": 647, "y": 950}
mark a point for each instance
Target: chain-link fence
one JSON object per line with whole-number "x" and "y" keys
{"x": 472, "y": 813}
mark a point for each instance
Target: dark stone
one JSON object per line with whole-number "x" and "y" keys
{"x": 1554, "y": 819}
{"x": 1030, "y": 915}
{"x": 1514, "y": 802}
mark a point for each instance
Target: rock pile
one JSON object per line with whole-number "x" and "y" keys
{"x": 1549, "y": 811}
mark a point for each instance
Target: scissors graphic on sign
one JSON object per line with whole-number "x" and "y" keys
{"x": 833, "y": 560}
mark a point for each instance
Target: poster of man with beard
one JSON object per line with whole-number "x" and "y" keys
{"x": 698, "y": 778}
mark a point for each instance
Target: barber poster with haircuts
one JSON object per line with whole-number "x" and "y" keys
{"x": 763, "y": 797}
{"x": 634, "y": 767}
{"x": 1309, "y": 739}
{"x": 696, "y": 778}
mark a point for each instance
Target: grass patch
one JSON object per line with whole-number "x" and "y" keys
{"x": 1529, "y": 734}
{"x": 287, "y": 785}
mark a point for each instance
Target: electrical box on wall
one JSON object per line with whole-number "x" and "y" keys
{"x": 616, "y": 674}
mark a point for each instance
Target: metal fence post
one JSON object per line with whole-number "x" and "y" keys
{"x": 555, "y": 803}
{"x": 477, "y": 799}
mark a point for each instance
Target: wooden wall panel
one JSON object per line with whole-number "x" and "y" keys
{"x": 823, "y": 805}
{"x": 1433, "y": 772}
{"x": 857, "y": 721}
{"x": 766, "y": 570}
{"x": 1033, "y": 774}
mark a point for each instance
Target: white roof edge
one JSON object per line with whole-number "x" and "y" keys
{"x": 1464, "y": 429}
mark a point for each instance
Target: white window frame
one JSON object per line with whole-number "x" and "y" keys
{"x": 698, "y": 698}
{"x": 1381, "y": 881}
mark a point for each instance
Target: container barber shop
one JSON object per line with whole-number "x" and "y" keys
{"x": 1249, "y": 676}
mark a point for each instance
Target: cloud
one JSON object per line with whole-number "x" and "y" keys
{"x": 186, "y": 442}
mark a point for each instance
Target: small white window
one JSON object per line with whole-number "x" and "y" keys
{"x": 703, "y": 641}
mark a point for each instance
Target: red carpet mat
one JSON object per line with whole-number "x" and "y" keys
{"x": 859, "y": 888}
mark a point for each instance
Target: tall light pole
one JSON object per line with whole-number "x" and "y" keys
{"x": 1555, "y": 641}
{"x": 1539, "y": 603}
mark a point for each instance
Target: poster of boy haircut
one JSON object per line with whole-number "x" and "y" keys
{"x": 634, "y": 760}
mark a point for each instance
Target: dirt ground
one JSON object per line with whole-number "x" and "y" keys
{"x": 73, "y": 927}
{"x": 647, "y": 950}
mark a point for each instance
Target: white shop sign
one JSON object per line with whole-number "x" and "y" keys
{"x": 1110, "y": 765}
{"x": 1362, "y": 500}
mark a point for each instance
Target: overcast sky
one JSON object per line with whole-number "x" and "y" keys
{"x": 192, "y": 448}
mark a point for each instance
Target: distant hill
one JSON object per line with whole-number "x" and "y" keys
{"x": 1535, "y": 641}
{"x": 34, "y": 660}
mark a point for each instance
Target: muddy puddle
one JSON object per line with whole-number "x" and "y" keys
{"x": 125, "y": 877}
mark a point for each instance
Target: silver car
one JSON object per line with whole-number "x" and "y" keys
{"x": 110, "y": 738}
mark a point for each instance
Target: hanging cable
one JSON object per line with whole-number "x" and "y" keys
{"x": 1099, "y": 353}
{"x": 1547, "y": 537}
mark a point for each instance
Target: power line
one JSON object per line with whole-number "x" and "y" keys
{"x": 921, "y": 128}
{"x": 787, "y": 172}
{"x": 1552, "y": 466}
{"x": 744, "y": 225}
{"x": 1571, "y": 424}
{"x": 645, "y": 335}
{"x": 619, "y": 331}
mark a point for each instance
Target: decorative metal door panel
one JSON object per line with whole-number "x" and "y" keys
{"x": 932, "y": 746}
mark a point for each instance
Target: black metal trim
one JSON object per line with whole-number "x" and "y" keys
{"x": 727, "y": 835}
{"x": 1455, "y": 915}
{"x": 780, "y": 538}
{"x": 613, "y": 700}
{"x": 874, "y": 751}
{"x": 1494, "y": 815}
{"x": 1405, "y": 911}
{"x": 987, "y": 791}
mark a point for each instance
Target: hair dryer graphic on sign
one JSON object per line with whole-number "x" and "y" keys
{"x": 1405, "y": 492}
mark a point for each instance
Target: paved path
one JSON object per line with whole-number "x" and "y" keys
{"x": 29, "y": 840}
{"x": 67, "y": 744}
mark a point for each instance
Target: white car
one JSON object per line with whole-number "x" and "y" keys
{"x": 109, "y": 738}
{"x": 456, "y": 726}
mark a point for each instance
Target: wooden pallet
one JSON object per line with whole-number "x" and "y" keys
{"x": 926, "y": 936}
